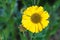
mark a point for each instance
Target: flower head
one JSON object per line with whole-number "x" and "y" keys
{"x": 35, "y": 19}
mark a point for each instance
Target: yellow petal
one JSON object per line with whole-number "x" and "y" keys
{"x": 30, "y": 10}
{"x": 40, "y": 10}
{"x": 36, "y": 28}
{"x": 32, "y": 27}
{"x": 40, "y": 27}
{"x": 44, "y": 23}
{"x": 25, "y": 17}
{"x": 45, "y": 15}
{"x": 34, "y": 8}
{"x": 25, "y": 24}
{"x": 26, "y": 12}
{"x": 28, "y": 25}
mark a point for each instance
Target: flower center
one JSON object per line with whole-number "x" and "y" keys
{"x": 35, "y": 18}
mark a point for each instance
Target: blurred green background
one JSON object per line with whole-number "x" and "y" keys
{"x": 10, "y": 20}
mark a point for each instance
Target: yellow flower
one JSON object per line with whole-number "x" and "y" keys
{"x": 35, "y": 19}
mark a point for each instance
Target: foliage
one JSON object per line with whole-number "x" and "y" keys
{"x": 11, "y": 14}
